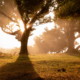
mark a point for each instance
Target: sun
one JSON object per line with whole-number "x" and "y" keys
{"x": 21, "y": 25}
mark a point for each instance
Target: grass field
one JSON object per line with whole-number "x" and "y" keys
{"x": 47, "y": 66}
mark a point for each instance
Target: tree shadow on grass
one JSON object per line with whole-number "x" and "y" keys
{"x": 76, "y": 54}
{"x": 22, "y": 69}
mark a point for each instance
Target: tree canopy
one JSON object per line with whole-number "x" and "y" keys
{"x": 67, "y": 8}
{"x": 51, "y": 40}
{"x": 29, "y": 12}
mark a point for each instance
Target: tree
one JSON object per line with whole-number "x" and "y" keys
{"x": 30, "y": 11}
{"x": 67, "y": 8}
{"x": 67, "y": 17}
{"x": 51, "y": 40}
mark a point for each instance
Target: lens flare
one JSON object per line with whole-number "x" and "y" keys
{"x": 27, "y": 26}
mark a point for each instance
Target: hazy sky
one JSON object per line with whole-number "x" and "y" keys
{"x": 8, "y": 41}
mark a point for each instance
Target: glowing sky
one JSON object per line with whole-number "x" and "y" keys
{"x": 8, "y": 41}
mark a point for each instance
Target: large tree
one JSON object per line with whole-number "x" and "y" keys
{"x": 29, "y": 10}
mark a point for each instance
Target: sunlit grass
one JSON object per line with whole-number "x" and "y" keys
{"x": 48, "y": 66}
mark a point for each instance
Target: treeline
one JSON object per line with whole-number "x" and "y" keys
{"x": 55, "y": 40}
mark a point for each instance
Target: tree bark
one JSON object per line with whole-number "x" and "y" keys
{"x": 71, "y": 39}
{"x": 24, "y": 42}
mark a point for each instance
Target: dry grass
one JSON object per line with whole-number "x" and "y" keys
{"x": 46, "y": 66}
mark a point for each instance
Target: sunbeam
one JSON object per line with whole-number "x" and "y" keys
{"x": 21, "y": 25}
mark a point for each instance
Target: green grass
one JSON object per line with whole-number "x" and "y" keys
{"x": 46, "y": 66}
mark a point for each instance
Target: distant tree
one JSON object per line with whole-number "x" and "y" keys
{"x": 68, "y": 18}
{"x": 29, "y": 10}
{"x": 52, "y": 40}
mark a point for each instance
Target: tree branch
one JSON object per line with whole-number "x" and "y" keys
{"x": 37, "y": 14}
{"x": 7, "y": 16}
{"x": 78, "y": 47}
{"x": 11, "y": 33}
{"x": 77, "y": 36}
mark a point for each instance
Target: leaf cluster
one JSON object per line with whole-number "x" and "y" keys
{"x": 67, "y": 8}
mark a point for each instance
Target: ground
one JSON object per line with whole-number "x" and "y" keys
{"x": 40, "y": 66}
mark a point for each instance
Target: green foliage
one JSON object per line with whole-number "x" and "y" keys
{"x": 68, "y": 8}
{"x": 28, "y": 6}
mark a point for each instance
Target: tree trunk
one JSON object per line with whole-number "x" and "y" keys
{"x": 24, "y": 42}
{"x": 71, "y": 39}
